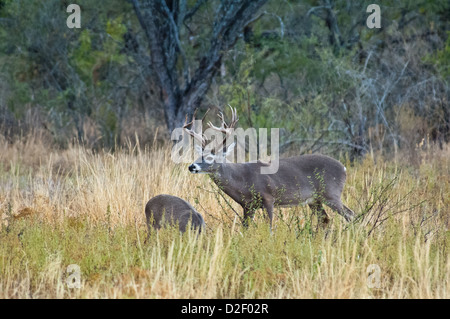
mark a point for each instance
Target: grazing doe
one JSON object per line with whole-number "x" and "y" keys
{"x": 310, "y": 179}
{"x": 171, "y": 210}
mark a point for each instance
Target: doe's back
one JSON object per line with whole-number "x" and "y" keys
{"x": 169, "y": 210}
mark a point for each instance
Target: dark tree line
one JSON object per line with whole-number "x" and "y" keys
{"x": 184, "y": 83}
{"x": 309, "y": 67}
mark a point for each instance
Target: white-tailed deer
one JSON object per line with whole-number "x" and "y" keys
{"x": 312, "y": 179}
{"x": 167, "y": 209}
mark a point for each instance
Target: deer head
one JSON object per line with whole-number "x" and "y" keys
{"x": 215, "y": 152}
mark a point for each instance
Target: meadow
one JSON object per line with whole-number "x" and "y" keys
{"x": 76, "y": 206}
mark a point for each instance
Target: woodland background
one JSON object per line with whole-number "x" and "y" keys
{"x": 312, "y": 68}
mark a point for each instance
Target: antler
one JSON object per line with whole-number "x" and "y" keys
{"x": 225, "y": 128}
{"x": 198, "y": 136}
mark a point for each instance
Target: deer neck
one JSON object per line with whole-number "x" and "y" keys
{"x": 224, "y": 175}
{"x": 217, "y": 174}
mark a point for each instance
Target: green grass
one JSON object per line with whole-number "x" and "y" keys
{"x": 219, "y": 264}
{"x": 75, "y": 207}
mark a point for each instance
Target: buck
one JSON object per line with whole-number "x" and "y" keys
{"x": 171, "y": 210}
{"x": 307, "y": 179}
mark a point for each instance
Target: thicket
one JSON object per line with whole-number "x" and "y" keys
{"x": 312, "y": 68}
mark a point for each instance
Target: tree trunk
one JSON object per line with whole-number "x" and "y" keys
{"x": 162, "y": 21}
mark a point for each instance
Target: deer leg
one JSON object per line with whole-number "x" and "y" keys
{"x": 248, "y": 216}
{"x": 341, "y": 209}
{"x": 147, "y": 238}
{"x": 317, "y": 208}
{"x": 349, "y": 213}
{"x": 150, "y": 224}
{"x": 268, "y": 205}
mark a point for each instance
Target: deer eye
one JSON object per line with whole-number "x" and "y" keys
{"x": 209, "y": 159}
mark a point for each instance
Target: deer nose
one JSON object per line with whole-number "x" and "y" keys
{"x": 193, "y": 168}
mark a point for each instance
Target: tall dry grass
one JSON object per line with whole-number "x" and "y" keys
{"x": 75, "y": 206}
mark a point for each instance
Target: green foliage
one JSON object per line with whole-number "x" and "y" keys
{"x": 89, "y": 62}
{"x": 286, "y": 73}
{"x": 256, "y": 264}
{"x": 64, "y": 72}
{"x": 75, "y": 206}
{"x": 239, "y": 93}
{"x": 442, "y": 59}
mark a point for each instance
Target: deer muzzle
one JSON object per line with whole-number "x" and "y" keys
{"x": 194, "y": 168}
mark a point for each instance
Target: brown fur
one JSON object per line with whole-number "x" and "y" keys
{"x": 168, "y": 209}
{"x": 314, "y": 179}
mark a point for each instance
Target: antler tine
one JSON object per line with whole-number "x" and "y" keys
{"x": 222, "y": 118}
{"x": 234, "y": 116}
{"x": 205, "y": 114}
{"x": 191, "y": 122}
{"x": 198, "y": 136}
{"x": 185, "y": 122}
{"x": 224, "y": 127}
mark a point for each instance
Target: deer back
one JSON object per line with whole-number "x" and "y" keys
{"x": 298, "y": 179}
{"x": 168, "y": 209}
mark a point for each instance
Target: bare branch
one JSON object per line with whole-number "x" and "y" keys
{"x": 194, "y": 9}
{"x": 177, "y": 41}
{"x": 183, "y": 91}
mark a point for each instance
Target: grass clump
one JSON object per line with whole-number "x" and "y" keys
{"x": 74, "y": 207}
